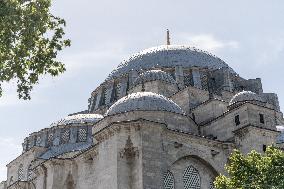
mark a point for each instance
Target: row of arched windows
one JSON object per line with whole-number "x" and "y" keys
{"x": 191, "y": 179}
{"x": 30, "y": 174}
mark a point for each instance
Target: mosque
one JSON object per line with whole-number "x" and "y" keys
{"x": 167, "y": 117}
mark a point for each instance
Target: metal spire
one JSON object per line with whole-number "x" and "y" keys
{"x": 168, "y": 37}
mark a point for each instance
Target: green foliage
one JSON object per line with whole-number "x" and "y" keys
{"x": 254, "y": 171}
{"x": 30, "y": 38}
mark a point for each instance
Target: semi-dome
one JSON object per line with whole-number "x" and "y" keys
{"x": 79, "y": 118}
{"x": 246, "y": 96}
{"x": 154, "y": 75}
{"x": 144, "y": 101}
{"x": 167, "y": 56}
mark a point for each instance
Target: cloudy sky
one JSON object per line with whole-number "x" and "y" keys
{"x": 248, "y": 35}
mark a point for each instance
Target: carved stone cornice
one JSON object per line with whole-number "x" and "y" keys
{"x": 107, "y": 133}
{"x": 90, "y": 155}
{"x": 113, "y": 128}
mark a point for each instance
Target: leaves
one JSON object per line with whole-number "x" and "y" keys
{"x": 254, "y": 171}
{"x": 30, "y": 39}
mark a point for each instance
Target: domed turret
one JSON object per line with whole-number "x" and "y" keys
{"x": 145, "y": 101}
{"x": 246, "y": 96}
{"x": 78, "y": 118}
{"x": 154, "y": 75}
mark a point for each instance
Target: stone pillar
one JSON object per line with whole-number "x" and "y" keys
{"x": 122, "y": 87}
{"x": 132, "y": 76}
{"x": 109, "y": 90}
{"x": 258, "y": 86}
{"x": 99, "y": 94}
{"x": 179, "y": 76}
{"x": 228, "y": 86}
{"x": 196, "y": 78}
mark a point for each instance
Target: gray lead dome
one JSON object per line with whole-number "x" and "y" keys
{"x": 167, "y": 56}
{"x": 246, "y": 96}
{"x": 144, "y": 101}
{"x": 154, "y": 75}
{"x": 78, "y": 119}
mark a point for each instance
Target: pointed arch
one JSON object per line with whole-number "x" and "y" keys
{"x": 191, "y": 178}
{"x": 168, "y": 180}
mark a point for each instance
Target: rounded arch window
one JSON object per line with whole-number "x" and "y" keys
{"x": 82, "y": 135}
{"x": 50, "y": 138}
{"x": 191, "y": 178}
{"x": 168, "y": 180}
{"x": 65, "y": 136}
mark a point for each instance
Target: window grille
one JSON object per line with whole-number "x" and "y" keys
{"x": 168, "y": 180}
{"x": 50, "y": 139}
{"x": 188, "y": 81}
{"x": 30, "y": 143}
{"x": 211, "y": 184}
{"x": 191, "y": 178}
{"x": 21, "y": 172}
{"x": 65, "y": 136}
{"x": 204, "y": 81}
{"x": 38, "y": 140}
{"x": 30, "y": 173}
{"x": 82, "y": 135}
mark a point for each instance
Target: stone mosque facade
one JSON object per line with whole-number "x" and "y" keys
{"x": 168, "y": 117}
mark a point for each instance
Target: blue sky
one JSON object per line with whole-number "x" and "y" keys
{"x": 248, "y": 35}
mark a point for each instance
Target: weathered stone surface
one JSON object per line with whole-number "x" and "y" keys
{"x": 179, "y": 138}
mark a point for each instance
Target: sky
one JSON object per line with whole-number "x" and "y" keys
{"x": 247, "y": 35}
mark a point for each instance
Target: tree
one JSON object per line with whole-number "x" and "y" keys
{"x": 254, "y": 171}
{"x": 30, "y": 39}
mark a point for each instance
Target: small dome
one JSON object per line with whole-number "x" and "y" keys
{"x": 78, "y": 118}
{"x": 246, "y": 96}
{"x": 144, "y": 101}
{"x": 154, "y": 75}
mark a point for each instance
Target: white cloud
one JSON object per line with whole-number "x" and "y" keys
{"x": 208, "y": 42}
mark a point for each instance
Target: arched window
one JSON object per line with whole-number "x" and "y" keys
{"x": 50, "y": 138}
{"x": 65, "y": 136}
{"x": 30, "y": 173}
{"x": 21, "y": 172}
{"x": 191, "y": 178}
{"x": 82, "y": 135}
{"x": 168, "y": 180}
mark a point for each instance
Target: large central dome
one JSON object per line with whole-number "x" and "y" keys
{"x": 167, "y": 56}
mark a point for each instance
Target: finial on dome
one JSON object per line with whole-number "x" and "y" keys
{"x": 168, "y": 37}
